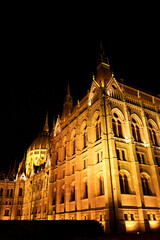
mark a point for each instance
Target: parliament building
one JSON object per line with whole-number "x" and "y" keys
{"x": 101, "y": 161}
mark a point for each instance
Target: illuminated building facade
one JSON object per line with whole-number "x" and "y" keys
{"x": 100, "y": 162}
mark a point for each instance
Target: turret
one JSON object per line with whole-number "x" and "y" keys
{"x": 104, "y": 73}
{"x": 67, "y": 106}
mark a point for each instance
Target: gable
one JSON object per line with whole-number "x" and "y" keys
{"x": 94, "y": 93}
{"x": 57, "y": 129}
{"x": 114, "y": 90}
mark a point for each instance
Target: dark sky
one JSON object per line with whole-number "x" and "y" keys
{"x": 41, "y": 51}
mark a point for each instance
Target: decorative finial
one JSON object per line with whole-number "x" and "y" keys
{"x": 93, "y": 77}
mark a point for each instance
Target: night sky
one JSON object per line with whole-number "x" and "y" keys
{"x": 41, "y": 53}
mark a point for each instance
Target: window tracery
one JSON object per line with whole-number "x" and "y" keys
{"x": 146, "y": 184}
{"x": 153, "y": 135}
{"x": 124, "y": 183}
{"x": 117, "y": 125}
{"x": 136, "y": 130}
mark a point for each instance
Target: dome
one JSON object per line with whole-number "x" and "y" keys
{"x": 40, "y": 142}
{"x": 37, "y": 152}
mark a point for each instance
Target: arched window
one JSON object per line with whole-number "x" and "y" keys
{"x": 85, "y": 189}
{"x": 98, "y": 128}
{"x": 62, "y": 194}
{"x": 117, "y": 125}
{"x": 101, "y": 185}
{"x": 73, "y": 192}
{"x": 136, "y": 131}
{"x": 146, "y": 186}
{"x": 124, "y": 184}
{"x": 152, "y": 134}
{"x": 85, "y": 137}
{"x": 7, "y": 212}
{"x": 74, "y": 145}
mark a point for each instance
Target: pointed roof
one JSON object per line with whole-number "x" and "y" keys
{"x": 102, "y": 58}
{"x": 46, "y": 127}
{"x": 68, "y": 97}
{"x": 104, "y": 73}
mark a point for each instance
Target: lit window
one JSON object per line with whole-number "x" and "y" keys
{"x": 98, "y": 129}
{"x": 136, "y": 131}
{"x": 121, "y": 154}
{"x": 153, "y": 135}
{"x": 146, "y": 186}
{"x": 117, "y": 126}
{"x": 141, "y": 158}
{"x": 124, "y": 185}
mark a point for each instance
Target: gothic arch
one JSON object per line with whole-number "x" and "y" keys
{"x": 125, "y": 181}
{"x": 125, "y": 172}
{"x": 137, "y": 128}
{"x": 84, "y": 134}
{"x": 83, "y": 125}
{"x": 64, "y": 140}
{"x": 73, "y": 133}
{"x": 146, "y": 184}
{"x": 118, "y": 123}
{"x": 137, "y": 118}
{"x": 118, "y": 112}
{"x": 154, "y": 124}
{"x": 99, "y": 183}
{"x": 95, "y": 116}
{"x": 154, "y": 132}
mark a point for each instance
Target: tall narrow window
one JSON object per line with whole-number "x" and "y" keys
{"x": 101, "y": 186}
{"x": 97, "y": 157}
{"x": 7, "y": 212}
{"x": 118, "y": 153}
{"x": 64, "y": 151}
{"x": 136, "y": 131}
{"x": 85, "y": 137}
{"x": 84, "y": 164}
{"x": 73, "y": 193}
{"x": 145, "y": 186}
{"x": 124, "y": 185}
{"x": 141, "y": 158}
{"x": 11, "y": 193}
{"x": 117, "y": 126}
{"x": 119, "y": 129}
{"x": 153, "y": 135}
{"x": 62, "y": 196}
{"x": 85, "y": 195}
{"x": 74, "y": 146}
{"x": 121, "y": 154}
{"x": 98, "y": 128}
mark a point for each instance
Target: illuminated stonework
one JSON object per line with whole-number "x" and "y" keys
{"x": 101, "y": 161}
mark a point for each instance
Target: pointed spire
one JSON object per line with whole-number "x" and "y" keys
{"x": 104, "y": 73}
{"x": 68, "y": 97}
{"x": 68, "y": 105}
{"x": 102, "y": 56}
{"x": 46, "y": 127}
{"x": 13, "y": 173}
